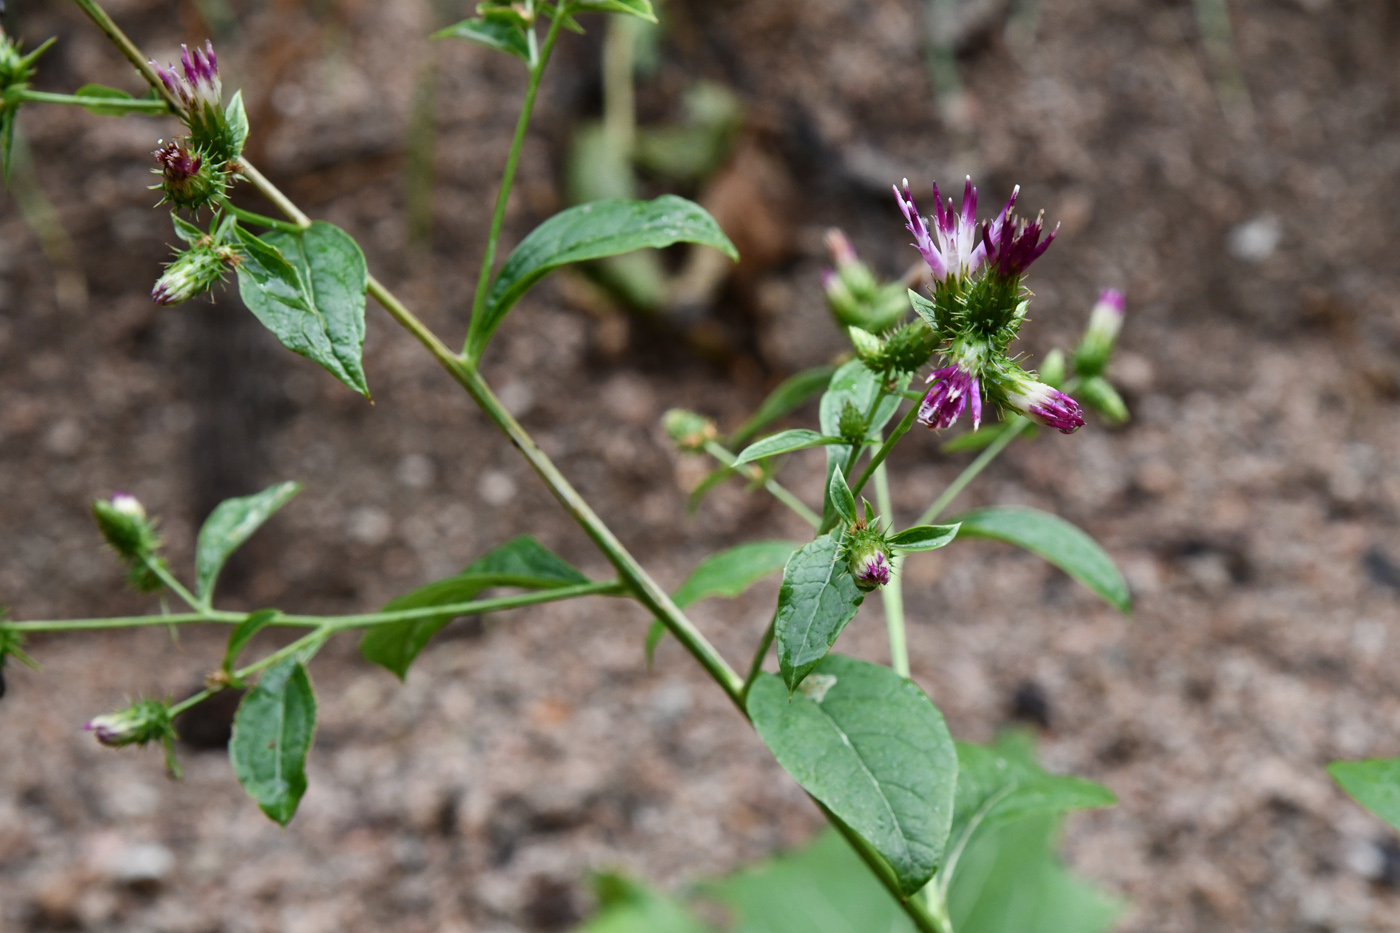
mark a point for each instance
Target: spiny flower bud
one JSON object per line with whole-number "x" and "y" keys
{"x": 11, "y": 646}
{"x": 854, "y": 295}
{"x": 142, "y": 722}
{"x": 1038, "y": 402}
{"x": 851, "y": 424}
{"x": 1100, "y": 395}
{"x": 687, "y": 430}
{"x": 124, "y": 524}
{"x": 192, "y": 273}
{"x": 17, "y": 68}
{"x": 1105, "y": 321}
{"x": 188, "y": 180}
{"x": 867, "y": 556}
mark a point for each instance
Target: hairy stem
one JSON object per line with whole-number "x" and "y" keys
{"x": 778, "y": 491}
{"x": 158, "y": 568}
{"x": 537, "y": 66}
{"x": 156, "y": 107}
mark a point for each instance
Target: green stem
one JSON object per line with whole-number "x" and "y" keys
{"x": 488, "y": 261}
{"x": 108, "y": 103}
{"x": 892, "y": 593}
{"x": 311, "y": 640}
{"x": 175, "y": 586}
{"x": 259, "y": 219}
{"x": 778, "y": 491}
{"x": 756, "y": 665}
{"x": 1013, "y": 428}
{"x": 334, "y": 623}
{"x": 913, "y": 906}
{"x": 877, "y": 461}
{"x": 128, "y": 48}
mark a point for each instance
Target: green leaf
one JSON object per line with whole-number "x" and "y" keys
{"x": 727, "y": 573}
{"x": 817, "y": 600}
{"x": 243, "y": 633}
{"x": 841, "y": 497}
{"x": 272, "y": 733}
{"x": 1056, "y": 540}
{"x": 872, "y": 747}
{"x": 110, "y": 93}
{"x": 790, "y": 394}
{"x": 186, "y": 230}
{"x": 781, "y": 443}
{"x": 521, "y": 562}
{"x": 926, "y": 310}
{"x": 1003, "y": 783}
{"x": 925, "y": 537}
{"x": 856, "y": 384}
{"x": 493, "y": 32}
{"x": 233, "y": 522}
{"x": 1374, "y": 783}
{"x": 237, "y": 118}
{"x": 309, "y": 290}
{"x": 1011, "y": 881}
{"x": 592, "y": 231}
{"x": 732, "y": 571}
{"x": 712, "y": 479}
{"x": 638, "y": 8}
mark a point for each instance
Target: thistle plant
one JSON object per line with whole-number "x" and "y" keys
{"x": 862, "y": 739}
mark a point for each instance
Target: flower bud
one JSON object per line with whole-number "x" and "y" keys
{"x": 868, "y": 560}
{"x": 188, "y": 180}
{"x": 11, "y": 646}
{"x": 142, "y": 722}
{"x": 1052, "y": 368}
{"x": 17, "y": 68}
{"x": 192, "y": 273}
{"x": 1100, "y": 395}
{"x": 851, "y": 424}
{"x": 687, "y": 430}
{"x": 1105, "y": 321}
{"x": 124, "y": 524}
{"x": 854, "y": 295}
{"x": 1039, "y": 402}
{"x": 867, "y": 346}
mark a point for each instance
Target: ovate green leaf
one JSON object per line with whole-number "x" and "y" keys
{"x": 732, "y": 571}
{"x": 272, "y": 734}
{"x": 1056, "y": 540}
{"x": 591, "y": 231}
{"x": 1374, "y": 783}
{"x": 243, "y": 633}
{"x": 872, "y": 747}
{"x": 110, "y": 93}
{"x": 233, "y": 522}
{"x": 495, "y": 33}
{"x": 817, "y": 600}
{"x": 309, "y": 290}
{"x": 522, "y": 562}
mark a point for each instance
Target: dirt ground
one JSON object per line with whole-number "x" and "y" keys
{"x": 1252, "y": 501}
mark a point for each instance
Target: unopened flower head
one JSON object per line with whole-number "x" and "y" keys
{"x": 188, "y": 179}
{"x": 1105, "y": 321}
{"x": 128, "y": 505}
{"x": 688, "y": 430}
{"x": 867, "y": 556}
{"x": 853, "y": 293}
{"x": 16, "y": 68}
{"x": 193, "y": 272}
{"x": 142, "y": 722}
{"x": 123, "y": 522}
{"x": 1040, "y": 403}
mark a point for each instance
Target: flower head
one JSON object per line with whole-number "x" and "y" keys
{"x": 1105, "y": 321}
{"x": 142, "y": 722}
{"x": 868, "y": 557}
{"x": 199, "y": 88}
{"x": 853, "y": 293}
{"x": 1042, "y": 404}
{"x": 1012, "y": 244}
{"x": 954, "y": 247}
{"x": 954, "y": 389}
{"x": 188, "y": 179}
{"x": 192, "y": 273}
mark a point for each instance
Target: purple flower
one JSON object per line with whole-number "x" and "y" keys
{"x": 953, "y": 390}
{"x": 873, "y": 571}
{"x": 200, "y": 87}
{"x": 177, "y": 163}
{"x": 1011, "y": 243}
{"x": 953, "y": 249}
{"x": 1044, "y": 405}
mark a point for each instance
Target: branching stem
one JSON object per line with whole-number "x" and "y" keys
{"x": 778, "y": 491}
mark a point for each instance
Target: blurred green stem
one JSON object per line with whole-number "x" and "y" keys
{"x": 134, "y": 105}
{"x": 892, "y": 594}
{"x": 778, "y": 491}
{"x": 538, "y": 61}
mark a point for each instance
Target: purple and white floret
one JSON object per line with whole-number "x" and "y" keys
{"x": 1044, "y": 405}
{"x": 953, "y": 248}
{"x": 199, "y": 87}
{"x": 954, "y": 390}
